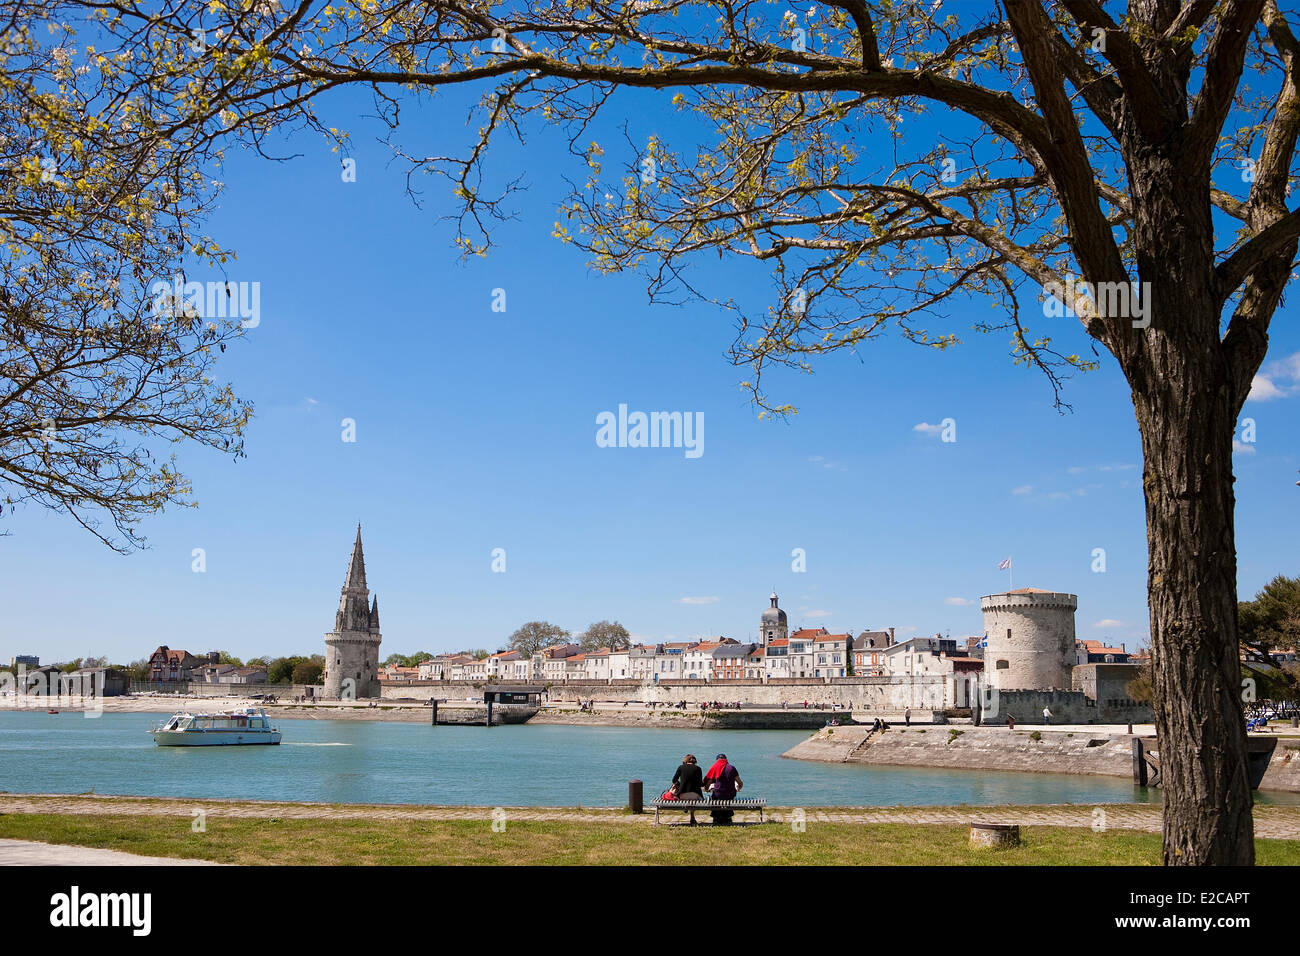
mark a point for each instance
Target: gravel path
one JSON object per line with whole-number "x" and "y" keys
{"x": 1274, "y": 822}
{"x": 31, "y": 853}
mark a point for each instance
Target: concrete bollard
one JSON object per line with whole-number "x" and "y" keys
{"x": 996, "y": 836}
{"x": 634, "y": 795}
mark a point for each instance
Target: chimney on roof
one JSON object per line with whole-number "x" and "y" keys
{"x": 1123, "y": 648}
{"x": 891, "y": 637}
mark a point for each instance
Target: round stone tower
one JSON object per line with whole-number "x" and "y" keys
{"x": 1029, "y": 636}
{"x": 352, "y": 648}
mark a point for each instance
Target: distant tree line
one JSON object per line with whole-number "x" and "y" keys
{"x": 536, "y": 636}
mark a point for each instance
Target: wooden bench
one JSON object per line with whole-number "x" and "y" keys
{"x": 708, "y": 803}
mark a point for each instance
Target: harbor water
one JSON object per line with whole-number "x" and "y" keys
{"x": 341, "y": 761}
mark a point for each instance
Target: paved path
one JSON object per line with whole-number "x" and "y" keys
{"x": 1273, "y": 822}
{"x": 31, "y": 853}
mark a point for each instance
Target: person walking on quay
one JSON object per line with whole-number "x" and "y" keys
{"x": 724, "y": 782}
{"x": 688, "y": 781}
{"x": 907, "y": 716}
{"x": 1011, "y": 722}
{"x": 1047, "y": 716}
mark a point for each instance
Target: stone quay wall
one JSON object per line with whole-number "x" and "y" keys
{"x": 882, "y": 694}
{"x": 1067, "y": 707}
{"x": 204, "y": 689}
{"x": 974, "y": 748}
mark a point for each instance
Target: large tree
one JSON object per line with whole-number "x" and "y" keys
{"x": 100, "y": 370}
{"x": 1268, "y": 623}
{"x": 1147, "y": 151}
{"x": 609, "y": 634}
{"x": 536, "y": 636}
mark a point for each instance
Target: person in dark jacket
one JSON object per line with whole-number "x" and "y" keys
{"x": 689, "y": 781}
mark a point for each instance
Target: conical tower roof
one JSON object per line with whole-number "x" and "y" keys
{"x": 354, "y": 599}
{"x": 356, "y": 566}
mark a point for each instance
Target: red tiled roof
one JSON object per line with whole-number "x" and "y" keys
{"x": 807, "y": 633}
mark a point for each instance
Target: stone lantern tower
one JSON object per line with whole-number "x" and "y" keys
{"x": 352, "y": 648}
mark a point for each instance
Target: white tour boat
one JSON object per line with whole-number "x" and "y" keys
{"x": 247, "y": 726}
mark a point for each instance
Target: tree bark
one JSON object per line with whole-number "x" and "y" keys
{"x": 1186, "y": 416}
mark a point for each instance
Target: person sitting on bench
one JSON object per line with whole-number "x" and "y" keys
{"x": 689, "y": 781}
{"x": 724, "y": 783}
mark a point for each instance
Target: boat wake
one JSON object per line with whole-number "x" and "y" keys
{"x": 304, "y": 743}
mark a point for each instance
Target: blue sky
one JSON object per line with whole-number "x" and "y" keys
{"x": 476, "y": 429}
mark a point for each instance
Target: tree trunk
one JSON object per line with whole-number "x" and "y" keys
{"x": 1187, "y": 416}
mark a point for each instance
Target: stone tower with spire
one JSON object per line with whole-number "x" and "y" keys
{"x": 772, "y": 625}
{"x": 352, "y": 648}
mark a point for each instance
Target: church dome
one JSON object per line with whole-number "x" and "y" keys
{"x": 774, "y": 615}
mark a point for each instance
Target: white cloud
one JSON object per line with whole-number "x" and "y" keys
{"x": 818, "y": 614}
{"x": 1262, "y": 389}
{"x": 698, "y": 600}
{"x": 826, "y": 462}
{"x": 1108, "y": 622}
{"x": 958, "y": 601}
{"x": 1269, "y": 383}
{"x": 1022, "y": 490}
{"x": 926, "y": 428}
{"x": 1242, "y": 448}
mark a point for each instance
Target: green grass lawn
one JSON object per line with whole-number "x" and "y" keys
{"x": 334, "y": 842}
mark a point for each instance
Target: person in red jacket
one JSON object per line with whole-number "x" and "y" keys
{"x": 724, "y": 782}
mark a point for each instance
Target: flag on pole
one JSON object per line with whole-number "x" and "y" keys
{"x": 1005, "y": 565}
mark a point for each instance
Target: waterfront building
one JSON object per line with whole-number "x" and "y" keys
{"x": 801, "y": 653}
{"x": 668, "y": 660}
{"x": 597, "y": 664}
{"x": 729, "y": 661}
{"x": 352, "y": 648}
{"x": 697, "y": 660}
{"x": 620, "y": 664}
{"x": 772, "y": 625}
{"x": 869, "y": 653}
{"x": 1095, "y": 652}
{"x": 101, "y": 681}
{"x": 776, "y": 659}
{"x": 469, "y": 669}
{"x": 439, "y": 668}
{"x": 1030, "y": 639}
{"x": 641, "y": 662}
{"x": 214, "y": 673}
{"x": 552, "y": 664}
{"x": 30, "y": 661}
{"x": 496, "y": 665}
{"x": 756, "y": 662}
{"x": 174, "y": 666}
{"x": 229, "y": 674}
{"x": 918, "y": 656}
{"x": 831, "y": 655}
{"x": 575, "y": 667}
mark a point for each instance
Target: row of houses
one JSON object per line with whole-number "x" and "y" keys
{"x": 808, "y": 653}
